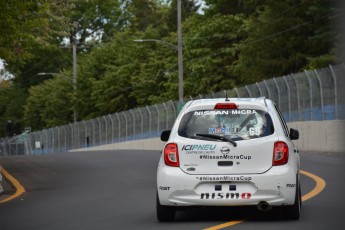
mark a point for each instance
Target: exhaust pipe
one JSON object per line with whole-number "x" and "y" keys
{"x": 264, "y": 206}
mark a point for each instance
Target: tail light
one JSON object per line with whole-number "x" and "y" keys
{"x": 171, "y": 155}
{"x": 225, "y": 106}
{"x": 280, "y": 153}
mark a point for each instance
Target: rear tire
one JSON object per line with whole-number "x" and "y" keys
{"x": 293, "y": 211}
{"x": 164, "y": 213}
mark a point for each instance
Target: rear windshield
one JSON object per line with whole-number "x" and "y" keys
{"x": 236, "y": 124}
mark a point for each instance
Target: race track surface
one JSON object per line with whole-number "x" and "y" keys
{"x": 116, "y": 190}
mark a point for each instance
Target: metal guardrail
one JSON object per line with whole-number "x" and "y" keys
{"x": 306, "y": 96}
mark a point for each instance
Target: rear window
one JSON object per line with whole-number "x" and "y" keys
{"x": 236, "y": 124}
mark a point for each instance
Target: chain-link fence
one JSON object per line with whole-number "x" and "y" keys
{"x": 309, "y": 95}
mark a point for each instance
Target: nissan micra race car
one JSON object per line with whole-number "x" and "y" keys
{"x": 229, "y": 152}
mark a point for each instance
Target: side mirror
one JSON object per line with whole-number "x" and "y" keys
{"x": 165, "y": 135}
{"x": 294, "y": 134}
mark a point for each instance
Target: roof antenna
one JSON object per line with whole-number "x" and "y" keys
{"x": 226, "y": 96}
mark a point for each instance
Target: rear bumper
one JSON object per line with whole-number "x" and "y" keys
{"x": 277, "y": 187}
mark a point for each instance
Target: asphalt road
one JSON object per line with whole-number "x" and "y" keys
{"x": 116, "y": 190}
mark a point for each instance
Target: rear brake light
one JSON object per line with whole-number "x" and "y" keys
{"x": 171, "y": 155}
{"x": 225, "y": 106}
{"x": 280, "y": 153}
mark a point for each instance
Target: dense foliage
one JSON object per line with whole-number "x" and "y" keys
{"x": 228, "y": 44}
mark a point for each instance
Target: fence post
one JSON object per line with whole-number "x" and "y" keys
{"x": 45, "y": 132}
{"x": 106, "y": 129}
{"x": 119, "y": 121}
{"x": 268, "y": 90}
{"x": 85, "y": 134}
{"x": 148, "y": 110}
{"x": 321, "y": 95}
{"x": 134, "y": 134}
{"x": 158, "y": 118}
{"x": 112, "y": 128}
{"x": 58, "y": 138}
{"x": 93, "y": 132}
{"x": 175, "y": 115}
{"x": 99, "y": 130}
{"x": 250, "y": 94}
{"x": 78, "y": 134}
{"x": 278, "y": 90}
{"x": 311, "y": 94}
{"x": 64, "y": 128}
{"x": 72, "y": 136}
{"x": 289, "y": 98}
{"x": 124, "y": 115}
{"x": 166, "y": 116}
{"x": 141, "y": 123}
{"x": 298, "y": 98}
{"x": 53, "y": 140}
{"x": 257, "y": 85}
{"x": 335, "y": 92}
{"x": 237, "y": 94}
{"x": 41, "y": 139}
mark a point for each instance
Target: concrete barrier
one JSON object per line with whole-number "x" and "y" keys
{"x": 320, "y": 136}
{"x": 144, "y": 144}
{"x": 315, "y": 136}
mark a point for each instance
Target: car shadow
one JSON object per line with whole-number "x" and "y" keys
{"x": 197, "y": 214}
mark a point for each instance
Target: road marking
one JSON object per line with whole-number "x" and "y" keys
{"x": 228, "y": 224}
{"x": 19, "y": 188}
{"x": 320, "y": 185}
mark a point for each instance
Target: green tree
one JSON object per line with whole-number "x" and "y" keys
{"x": 232, "y": 7}
{"x": 210, "y": 52}
{"x": 143, "y": 14}
{"x": 50, "y": 103}
{"x": 44, "y": 58}
{"x": 231, "y": 44}
{"x": 23, "y": 23}
{"x": 11, "y": 109}
{"x": 93, "y": 19}
{"x": 283, "y": 37}
{"x": 105, "y": 77}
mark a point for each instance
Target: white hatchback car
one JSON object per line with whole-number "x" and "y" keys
{"x": 229, "y": 152}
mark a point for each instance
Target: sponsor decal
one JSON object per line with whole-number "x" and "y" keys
{"x": 222, "y": 195}
{"x": 222, "y": 130}
{"x": 243, "y": 111}
{"x": 225, "y": 150}
{"x": 225, "y": 112}
{"x": 254, "y": 131}
{"x": 199, "y": 149}
{"x": 224, "y": 178}
{"x": 164, "y": 188}
{"x": 191, "y": 165}
{"x": 225, "y": 157}
{"x": 214, "y": 112}
{"x": 291, "y": 185}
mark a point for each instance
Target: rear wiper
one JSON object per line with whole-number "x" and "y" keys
{"x": 222, "y": 138}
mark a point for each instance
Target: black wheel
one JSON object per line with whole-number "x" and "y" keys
{"x": 293, "y": 211}
{"x": 164, "y": 213}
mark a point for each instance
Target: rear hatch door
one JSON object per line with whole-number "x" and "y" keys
{"x": 221, "y": 157}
